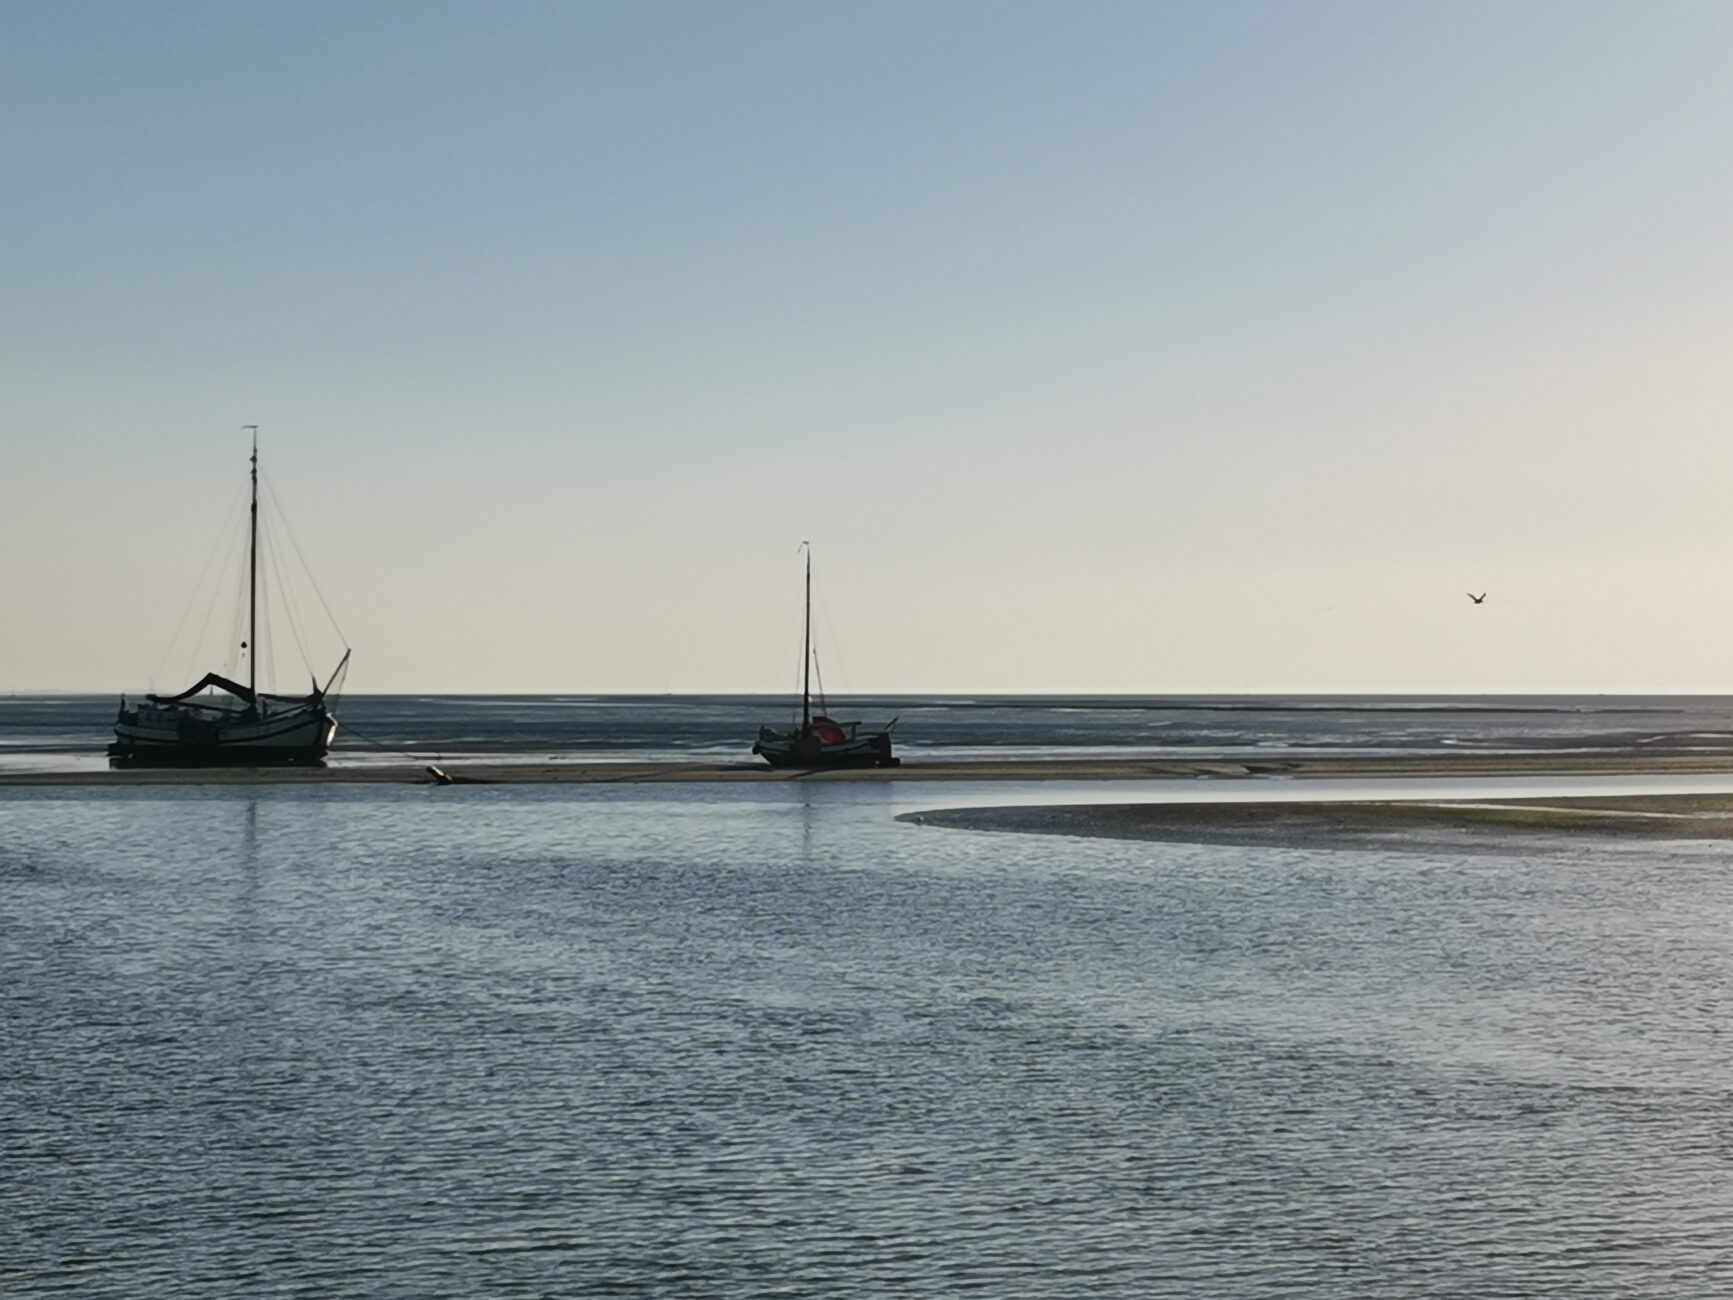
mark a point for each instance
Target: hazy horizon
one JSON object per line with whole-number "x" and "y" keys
{"x": 1276, "y": 699}
{"x": 1110, "y": 350}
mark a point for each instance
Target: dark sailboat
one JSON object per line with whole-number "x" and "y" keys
{"x": 219, "y": 722}
{"x": 821, "y": 741}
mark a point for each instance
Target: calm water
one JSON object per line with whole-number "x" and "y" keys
{"x": 723, "y": 1041}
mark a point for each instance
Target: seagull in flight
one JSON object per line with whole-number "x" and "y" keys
{"x": 1478, "y": 600}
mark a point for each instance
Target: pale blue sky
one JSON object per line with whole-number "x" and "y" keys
{"x": 1096, "y": 347}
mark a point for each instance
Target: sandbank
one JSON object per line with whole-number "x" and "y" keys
{"x": 1458, "y": 824}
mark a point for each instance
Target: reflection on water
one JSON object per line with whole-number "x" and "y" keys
{"x": 720, "y": 1041}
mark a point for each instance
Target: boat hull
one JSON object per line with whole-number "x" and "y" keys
{"x": 790, "y": 749}
{"x": 175, "y": 738}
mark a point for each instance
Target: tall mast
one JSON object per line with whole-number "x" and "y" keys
{"x": 253, "y": 577}
{"x": 806, "y": 649}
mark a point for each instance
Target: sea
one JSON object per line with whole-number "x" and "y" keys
{"x": 769, "y": 1039}
{"x": 71, "y": 731}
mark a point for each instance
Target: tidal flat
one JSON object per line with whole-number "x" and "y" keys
{"x": 520, "y": 771}
{"x": 1378, "y": 823}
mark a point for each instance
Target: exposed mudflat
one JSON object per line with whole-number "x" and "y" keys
{"x": 1360, "y": 825}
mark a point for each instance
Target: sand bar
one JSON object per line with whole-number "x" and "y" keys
{"x": 526, "y": 772}
{"x": 1431, "y": 824}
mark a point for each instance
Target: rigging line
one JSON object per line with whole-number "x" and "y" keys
{"x": 202, "y": 650}
{"x": 218, "y": 582}
{"x": 338, "y": 679}
{"x": 817, "y": 667}
{"x": 300, "y": 555}
{"x": 268, "y": 629}
{"x": 238, "y": 630}
{"x": 286, "y": 591}
{"x": 274, "y": 569}
{"x": 232, "y": 666}
{"x": 210, "y": 611}
{"x": 799, "y": 676}
{"x": 261, "y": 645}
{"x": 259, "y": 619}
{"x": 285, "y": 579}
{"x": 797, "y": 640}
{"x": 199, "y": 586}
{"x": 298, "y": 619}
{"x": 830, "y": 632}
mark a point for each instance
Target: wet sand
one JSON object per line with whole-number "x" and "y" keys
{"x": 1460, "y": 824}
{"x": 915, "y": 769}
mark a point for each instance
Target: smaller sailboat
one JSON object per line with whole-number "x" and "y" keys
{"x": 219, "y": 722}
{"x": 821, "y": 741}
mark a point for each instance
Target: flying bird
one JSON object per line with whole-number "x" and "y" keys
{"x": 1478, "y": 600}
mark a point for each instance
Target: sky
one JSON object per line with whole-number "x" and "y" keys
{"x": 1095, "y": 347}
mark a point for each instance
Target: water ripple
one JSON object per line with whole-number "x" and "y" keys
{"x": 701, "y": 1043}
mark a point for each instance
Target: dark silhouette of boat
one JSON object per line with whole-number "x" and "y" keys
{"x": 219, "y": 722}
{"x": 821, "y": 741}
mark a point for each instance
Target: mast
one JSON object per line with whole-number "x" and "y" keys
{"x": 806, "y": 650}
{"x": 253, "y": 579}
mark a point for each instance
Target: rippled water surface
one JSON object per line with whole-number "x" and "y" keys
{"x": 766, "y": 1040}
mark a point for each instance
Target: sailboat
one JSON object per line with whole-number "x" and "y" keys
{"x": 821, "y": 741}
{"x": 234, "y": 724}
